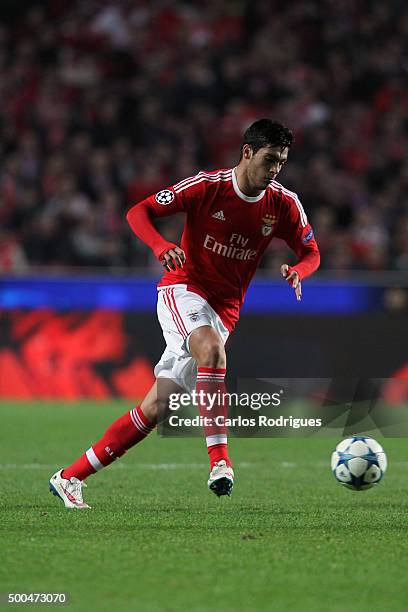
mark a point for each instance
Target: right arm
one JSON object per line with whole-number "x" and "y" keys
{"x": 140, "y": 218}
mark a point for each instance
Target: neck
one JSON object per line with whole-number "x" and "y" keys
{"x": 244, "y": 183}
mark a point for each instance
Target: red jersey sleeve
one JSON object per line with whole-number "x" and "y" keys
{"x": 166, "y": 202}
{"x": 297, "y": 232}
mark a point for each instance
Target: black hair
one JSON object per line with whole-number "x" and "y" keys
{"x": 265, "y": 132}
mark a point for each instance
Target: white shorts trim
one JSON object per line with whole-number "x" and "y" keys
{"x": 180, "y": 312}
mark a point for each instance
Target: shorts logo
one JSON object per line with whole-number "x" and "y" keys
{"x": 268, "y": 222}
{"x": 308, "y": 237}
{"x": 193, "y": 316}
{"x": 164, "y": 197}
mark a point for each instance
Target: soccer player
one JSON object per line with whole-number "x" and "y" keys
{"x": 231, "y": 217}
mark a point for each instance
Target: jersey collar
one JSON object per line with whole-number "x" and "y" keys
{"x": 242, "y": 195}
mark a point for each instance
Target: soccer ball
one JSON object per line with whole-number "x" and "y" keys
{"x": 359, "y": 463}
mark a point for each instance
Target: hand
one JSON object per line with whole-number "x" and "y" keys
{"x": 173, "y": 257}
{"x": 293, "y": 279}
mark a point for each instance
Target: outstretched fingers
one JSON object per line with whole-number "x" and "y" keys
{"x": 293, "y": 279}
{"x": 173, "y": 258}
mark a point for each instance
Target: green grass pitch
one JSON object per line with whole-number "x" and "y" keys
{"x": 156, "y": 539}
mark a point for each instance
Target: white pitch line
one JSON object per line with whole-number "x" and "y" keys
{"x": 121, "y": 466}
{"x": 180, "y": 466}
{"x": 325, "y": 464}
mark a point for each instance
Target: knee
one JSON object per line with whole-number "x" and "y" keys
{"x": 211, "y": 354}
{"x": 207, "y": 348}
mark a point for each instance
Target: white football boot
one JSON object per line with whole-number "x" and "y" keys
{"x": 221, "y": 479}
{"x": 70, "y": 491}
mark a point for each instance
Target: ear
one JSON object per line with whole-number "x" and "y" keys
{"x": 247, "y": 151}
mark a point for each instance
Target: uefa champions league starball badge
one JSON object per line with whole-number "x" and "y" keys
{"x": 164, "y": 197}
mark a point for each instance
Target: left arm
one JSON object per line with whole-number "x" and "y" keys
{"x": 298, "y": 235}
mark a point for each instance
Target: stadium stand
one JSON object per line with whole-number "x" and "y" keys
{"x": 104, "y": 103}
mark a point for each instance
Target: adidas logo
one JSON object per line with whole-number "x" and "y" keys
{"x": 219, "y": 215}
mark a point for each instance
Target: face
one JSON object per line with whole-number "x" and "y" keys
{"x": 264, "y": 165}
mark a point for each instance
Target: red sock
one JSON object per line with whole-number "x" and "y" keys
{"x": 211, "y": 381}
{"x": 217, "y": 452}
{"x": 129, "y": 429}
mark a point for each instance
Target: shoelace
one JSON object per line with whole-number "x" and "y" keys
{"x": 217, "y": 467}
{"x": 76, "y": 488}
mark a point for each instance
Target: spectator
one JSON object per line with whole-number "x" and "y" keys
{"x": 106, "y": 102}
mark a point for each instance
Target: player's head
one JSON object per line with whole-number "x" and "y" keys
{"x": 264, "y": 151}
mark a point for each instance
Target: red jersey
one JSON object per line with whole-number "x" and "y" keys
{"x": 225, "y": 235}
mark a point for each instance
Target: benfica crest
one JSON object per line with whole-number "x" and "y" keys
{"x": 268, "y": 223}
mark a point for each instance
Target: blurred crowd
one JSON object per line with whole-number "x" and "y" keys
{"x": 107, "y": 101}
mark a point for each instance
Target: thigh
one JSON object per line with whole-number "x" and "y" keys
{"x": 204, "y": 339}
{"x": 180, "y": 312}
